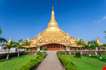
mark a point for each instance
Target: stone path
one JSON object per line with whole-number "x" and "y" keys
{"x": 51, "y": 62}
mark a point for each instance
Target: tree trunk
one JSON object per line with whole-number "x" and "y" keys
{"x": 18, "y": 53}
{"x": 8, "y": 52}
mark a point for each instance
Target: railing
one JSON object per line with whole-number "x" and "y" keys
{"x": 12, "y": 53}
{"x": 87, "y": 52}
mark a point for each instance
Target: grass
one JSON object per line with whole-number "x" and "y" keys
{"x": 87, "y": 63}
{"x": 83, "y": 63}
{"x": 15, "y": 63}
{"x": 22, "y": 63}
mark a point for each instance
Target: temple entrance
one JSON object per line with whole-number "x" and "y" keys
{"x": 53, "y": 47}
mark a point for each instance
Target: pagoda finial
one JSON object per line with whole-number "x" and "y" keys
{"x": 52, "y": 22}
{"x": 52, "y": 4}
{"x": 52, "y": 12}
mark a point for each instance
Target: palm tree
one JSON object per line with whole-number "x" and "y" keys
{"x": 93, "y": 44}
{"x": 9, "y": 45}
{"x": 81, "y": 42}
{"x": 19, "y": 45}
{"x": 26, "y": 43}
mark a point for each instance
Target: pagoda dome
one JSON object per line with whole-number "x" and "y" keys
{"x": 53, "y": 34}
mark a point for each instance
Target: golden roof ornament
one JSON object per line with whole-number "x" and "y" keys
{"x": 53, "y": 25}
{"x": 52, "y": 22}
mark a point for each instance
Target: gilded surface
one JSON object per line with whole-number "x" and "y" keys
{"x": 53, "y": 34}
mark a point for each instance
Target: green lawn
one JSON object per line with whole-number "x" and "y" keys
{"x": 83, "y": 63}
{"x": 21, "y": 63}
{"x": 15, "y": 63}
{"x": 88, "y": 63}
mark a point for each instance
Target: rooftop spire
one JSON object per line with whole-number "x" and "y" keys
{"x": 52, "y": 22}
{"x": 52, "y": 4}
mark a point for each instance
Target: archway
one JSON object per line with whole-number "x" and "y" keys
{"x": 53, "y": 47}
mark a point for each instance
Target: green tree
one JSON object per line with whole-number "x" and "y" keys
{"x": 19, "y": 45}
{"x": 81, "y": 42}
{"x": 26, "y": 43}
{"x": 9, "y": 45}
{"x": 93, "y": 44}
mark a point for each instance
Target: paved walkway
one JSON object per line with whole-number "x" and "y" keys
{"x": 51, "y": 62}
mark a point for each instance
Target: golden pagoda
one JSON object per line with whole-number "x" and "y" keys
{"x": 53, "y": 35}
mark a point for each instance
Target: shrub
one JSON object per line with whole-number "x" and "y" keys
{"x": 34, "y": 62}
{"x": 66, "y": 61}
{"x": 102, "y": 58}
{"x": 78, "y": 54}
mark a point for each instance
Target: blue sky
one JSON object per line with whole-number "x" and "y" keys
{"x": 22, "y": 19}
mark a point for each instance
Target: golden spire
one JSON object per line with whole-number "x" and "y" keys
{"x": 53, "y": 34}
{"x": 52, "y": 22}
